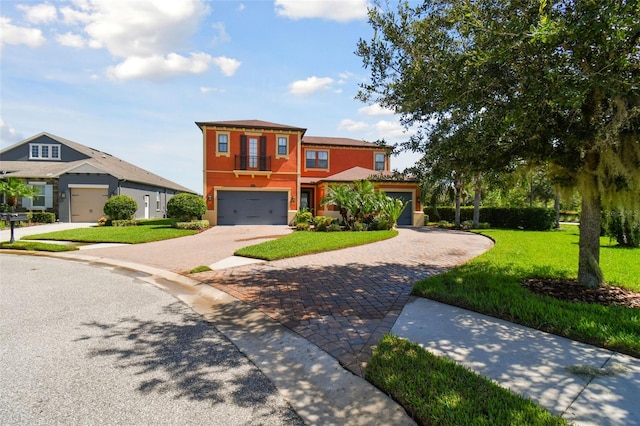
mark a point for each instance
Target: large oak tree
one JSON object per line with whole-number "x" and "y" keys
{"x": 555, "y": 81}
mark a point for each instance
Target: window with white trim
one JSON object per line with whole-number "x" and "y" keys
{"x": 44, "y": 151}
{"x": 158, "y": 201}
{"x": 42, "y": 199}
{"x": 317, "y": 159}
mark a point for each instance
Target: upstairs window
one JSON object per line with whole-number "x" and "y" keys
{"x": 317, "y": 160}
{"x": 283, "y": 145}
{"x": 44, "y": 151}
{"x": 222, "y": 146}
{"x": 379, "y": 161}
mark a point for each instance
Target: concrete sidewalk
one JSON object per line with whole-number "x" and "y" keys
{"x": 585, "y": 384}
{"x": 18, "y": 233}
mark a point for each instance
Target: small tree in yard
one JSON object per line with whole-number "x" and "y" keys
{"x": 186, "y": 207}
{"x": 13, "y": 189}
{"x": 120, "y": 207}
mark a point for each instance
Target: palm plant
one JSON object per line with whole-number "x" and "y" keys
{"x": 12, "y": 189}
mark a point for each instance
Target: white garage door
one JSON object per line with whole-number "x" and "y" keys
{"x": 87, "y": 204}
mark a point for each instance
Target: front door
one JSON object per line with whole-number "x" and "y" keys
{"x": 306, "y": 200}
{"x": 146, "y": 207}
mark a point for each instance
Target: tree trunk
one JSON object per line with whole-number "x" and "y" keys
{"x": 589, "y": 273}
{"x": 476, "y": 202}
{"x": 458, "y": 187}
{"x": 556, "y": 206}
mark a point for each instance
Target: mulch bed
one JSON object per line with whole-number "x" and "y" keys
{"x": 571, "y": 291}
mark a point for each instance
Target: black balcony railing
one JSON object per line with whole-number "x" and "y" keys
{"x": 253, "y": 162}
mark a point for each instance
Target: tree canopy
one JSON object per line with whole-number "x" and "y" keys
{"x": 554, "y": 81}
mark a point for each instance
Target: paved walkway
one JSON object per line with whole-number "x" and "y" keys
{"x": 343, "y": 301}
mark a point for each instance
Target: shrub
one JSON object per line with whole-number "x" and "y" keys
{"x": 303, "y": 216}
{"x": 358, "y": 227}
{"x": 624, "y": 226}
{"x": 124, "y": 222}
{"x": 322, "y": 222}
{"x": 303, "y": 226}
{"x": 381, "y": 223}
{"x": 186, "y": 207}
{"x": 466, "y": 225}
{"x": 334, "y": 227}
{"x": 41, "y": 217}
{"x": 529, "y": 218}
{"x": 120, "y": 207}
{"x": 196, "y": 225}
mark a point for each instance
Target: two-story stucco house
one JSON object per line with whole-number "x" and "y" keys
{"x": 256, "y": 172}
{"x": 74, "y": 180}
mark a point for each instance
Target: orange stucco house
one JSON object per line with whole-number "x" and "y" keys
{"x": 256, "y": 172}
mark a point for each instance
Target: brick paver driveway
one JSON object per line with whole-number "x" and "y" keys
{"x": 344, "y": 301}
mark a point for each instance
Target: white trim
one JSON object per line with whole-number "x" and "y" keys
{"x": 87, "y": 186}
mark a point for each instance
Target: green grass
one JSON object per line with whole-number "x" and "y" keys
{"x": 36, "y": 246}
{"x": 490, "y": 284}
{"x": 437, "y": 391}
{"x": 146, "y": 231}
{"x": 300, "y": 243}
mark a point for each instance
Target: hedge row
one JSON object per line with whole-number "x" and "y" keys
{"x": 531, "y": 218}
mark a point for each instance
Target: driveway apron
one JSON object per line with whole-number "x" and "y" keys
{"x": 344, "y": 301}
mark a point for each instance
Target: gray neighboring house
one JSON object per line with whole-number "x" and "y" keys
{"x": 74, "y": 181}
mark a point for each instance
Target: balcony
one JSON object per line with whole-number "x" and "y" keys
{"x": 252, "y": 165}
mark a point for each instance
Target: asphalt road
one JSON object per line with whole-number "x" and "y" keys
{"x": 81, "y": 344}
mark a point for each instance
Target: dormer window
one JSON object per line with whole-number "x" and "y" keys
{"x": 44, "y": 151}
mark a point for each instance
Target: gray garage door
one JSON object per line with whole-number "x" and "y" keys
{"x": 406, "y": 218}
{"x": 252, "y": 208}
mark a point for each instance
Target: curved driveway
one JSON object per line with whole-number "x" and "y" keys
{"x": 84, "y": 345}
{"x": 343, "y": 301}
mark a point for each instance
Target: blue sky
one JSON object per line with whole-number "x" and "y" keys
{"x": 130, "y": 77}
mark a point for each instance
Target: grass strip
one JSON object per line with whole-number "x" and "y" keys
{"x": 490, "y": 284}
{"x": 36, "y": 246}
{"x": 300, "y": 243}
{"x": 145, "y": 232}
{"x": 437, "y": 391}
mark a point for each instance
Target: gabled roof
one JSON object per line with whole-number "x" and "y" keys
{"x": 356, "y": 173}
{"x": 98, "y": 160}
{"x": 324, "y": 140}
{"x": 251, "y": 124}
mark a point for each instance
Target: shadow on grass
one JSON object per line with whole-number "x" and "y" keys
{"x": 189, "y": 359}
{"x": 496, "y": 291}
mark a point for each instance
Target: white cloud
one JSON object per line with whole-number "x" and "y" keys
{"x": 204, "y": 89}
{"x": 222, "y": 36}
{"x": 8, "y": 135}
{"x": 375, "y": 110}
{"x": 310, "y": 85}
{"x": 337, "y": 10}
{"x": 71, "y": 40}
{"x": 353, "y": 126}
{"x": 142, "y": 28}
{"x": 42, "y": 13}
{"x": 12, "y": 34}
{"x": 390, "y": 129}
{"x": 228, "y": 66}
{"x": 160, "y": 67}
{"x": 241, "y": 7}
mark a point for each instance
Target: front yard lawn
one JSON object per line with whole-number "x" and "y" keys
{"x": 36, "y": 246}
{"x": 491, "y": 284}
{"x": 437, "y": 391}
{"x": 146, "y": 231}
{"x": 300, "y": 243}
